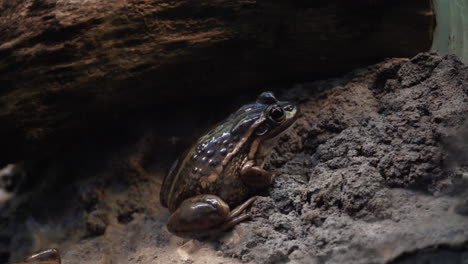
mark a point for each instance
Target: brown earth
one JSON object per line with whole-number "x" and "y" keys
{"x": 374, "y": 171}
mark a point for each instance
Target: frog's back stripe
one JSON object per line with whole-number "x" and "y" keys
{"x": 242, "y": 141}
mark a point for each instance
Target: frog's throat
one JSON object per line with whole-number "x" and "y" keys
{"x": 242, "y": 141}
{"x": 260, "y": 148}
{"x": 262, "y": 145}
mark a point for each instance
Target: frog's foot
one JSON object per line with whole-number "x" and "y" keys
{"x": 204, "y": 216}
{"x": 47, "y": 256}
{"x": 255, "y": 176}
{"x": 236, "y": 216}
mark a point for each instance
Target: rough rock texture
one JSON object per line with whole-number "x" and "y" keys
{"x": 368, "y": 174}
{"x": 374, "y": 171}
{"x": 70, "y": 67}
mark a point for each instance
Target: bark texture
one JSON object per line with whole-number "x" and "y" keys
{"x": 68, "y": 67}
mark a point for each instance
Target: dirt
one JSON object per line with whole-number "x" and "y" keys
{"x": 374, "y": 171}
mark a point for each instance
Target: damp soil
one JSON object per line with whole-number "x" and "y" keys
{"x": 375, "y": 170}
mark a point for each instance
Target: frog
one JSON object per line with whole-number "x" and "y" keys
{"x": 224, "y": 169}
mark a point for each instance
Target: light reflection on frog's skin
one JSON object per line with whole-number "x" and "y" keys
{"x": 47, "y": 256}
{"x": 223, "y": 169}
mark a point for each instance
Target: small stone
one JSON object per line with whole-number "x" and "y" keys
{"x": 96, "y": 223}
{"x": 461, "y": 207}
{"x": 188, "y": 249}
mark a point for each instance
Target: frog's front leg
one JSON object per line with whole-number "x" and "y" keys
{"x": 256, "y": 177}
{"x": 205, "y": 215}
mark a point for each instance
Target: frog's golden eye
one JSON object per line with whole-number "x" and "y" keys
{"x": 276, "y": 113}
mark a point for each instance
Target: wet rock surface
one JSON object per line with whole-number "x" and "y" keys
{"x": 374, "y": 171}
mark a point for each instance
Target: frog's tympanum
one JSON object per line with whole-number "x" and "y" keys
{"x": 223, "y": 169}
{"x": 47, "y": 256}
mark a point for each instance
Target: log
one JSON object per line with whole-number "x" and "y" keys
{"x": 67, "y": 65}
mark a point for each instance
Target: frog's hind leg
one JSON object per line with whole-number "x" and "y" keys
{"x": 47, "y": 256}
{"x": 239, "y": 209}
{"x": 205, "y": 215}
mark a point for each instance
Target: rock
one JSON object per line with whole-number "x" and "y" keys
{"x": 71, "y": 68}
{"x": 11, "y": 178}
{"x": 378, "y": 185}
{"x": 96, "y": 223}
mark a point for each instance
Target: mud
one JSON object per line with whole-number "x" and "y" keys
{"x": 374, "y": 171}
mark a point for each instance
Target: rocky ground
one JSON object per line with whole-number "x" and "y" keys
{"x": 369, "y": 172}
{"x": 374, "y": 171}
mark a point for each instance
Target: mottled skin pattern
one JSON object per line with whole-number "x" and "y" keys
{"x": 223, "y": 169}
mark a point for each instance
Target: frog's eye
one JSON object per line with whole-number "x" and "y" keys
{"x": 267, "y": 98}
{"x": 276, "y": 113}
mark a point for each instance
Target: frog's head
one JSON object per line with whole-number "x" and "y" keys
{"x": 262, "y": 122}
